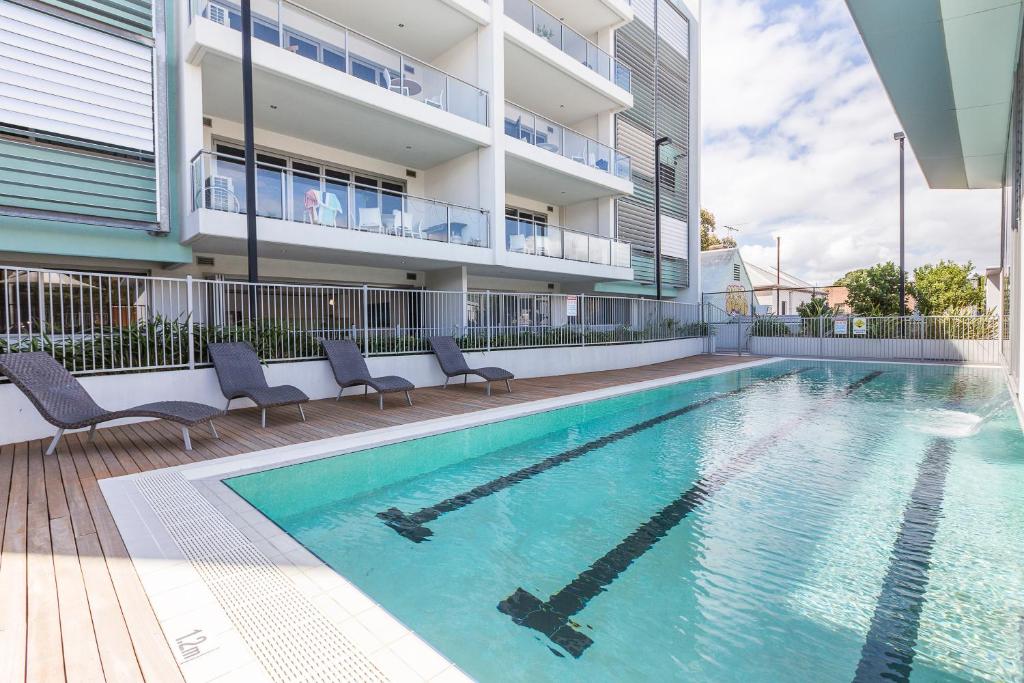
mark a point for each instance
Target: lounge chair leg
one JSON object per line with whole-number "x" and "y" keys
{"x": 508, "y": 385}
{"x": 465, "y": 380}
{"x": 446, "y": 382}
{"x": 213, "y": 430}
{"x": 302, "y": 414}
{"x": 56, "y": 440}
{"x": 228, "y": 406}
{"x": 92, "y": 433}
{"x": 188, "y": 441}
{"x": 339, "y": 395}
{"x": 263, "y": 418}
{"x": 488, "y": 388}
{"x": 408, "y": 398}
{"x": 366, "y": 390}
{"x": 380, "y": 399}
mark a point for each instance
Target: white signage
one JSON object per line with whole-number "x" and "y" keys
{"x": 839, "y": 327}
{"x": 571, "y": 305}
{"x": 860, "y": 326}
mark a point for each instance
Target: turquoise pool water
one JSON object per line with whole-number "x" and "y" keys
{"x": 798, "y": 521}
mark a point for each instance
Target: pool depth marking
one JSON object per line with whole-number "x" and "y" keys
{"x": 411, "y": 526}
{"x": 888, "y": 652}
{"x": 552, "y": 618}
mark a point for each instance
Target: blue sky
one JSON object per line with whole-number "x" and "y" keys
{"x": 798, "y": 142}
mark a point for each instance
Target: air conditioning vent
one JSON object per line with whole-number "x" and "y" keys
{"x": 410, "y": 173}
{"x": 205, "y": 261}
{"x": 410, "y": 276}
{"x": 218, "y": 14}
{"x": 207, "y": 122}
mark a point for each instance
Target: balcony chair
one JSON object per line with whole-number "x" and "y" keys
{"x": 369, "y": 219}
{"x": 241, "y": 376}
{"x": 350, "y": 371}
{"x": 453, "y": 364}
{"x": 394, "y": 85}
{"x": 64, "y": 402}
{"x": 310, "y": 204}
{"x": 330, "y": 209}
{"x": 517, "y": 243}
{"x": 408, "y": 225}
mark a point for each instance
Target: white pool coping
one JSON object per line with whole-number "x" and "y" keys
{"x": 214, "y": 568}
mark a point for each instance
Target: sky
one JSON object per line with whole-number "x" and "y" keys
{"x": 797, "y": 142}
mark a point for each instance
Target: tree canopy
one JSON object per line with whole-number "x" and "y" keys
{"x": 947, "y": 288}
{"x": 873, "y": 291}
{"x": 708, "y": 239}
{"x": 817, "y": 307}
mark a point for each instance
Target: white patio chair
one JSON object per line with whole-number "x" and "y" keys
{"x": 394, "y": 86}
{"x": 369, "y": 219}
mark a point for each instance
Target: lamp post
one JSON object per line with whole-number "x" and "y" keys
{"x": 901, "y": 137}
{"x": 250, "y": 155}
{"x": 664, "y": 140}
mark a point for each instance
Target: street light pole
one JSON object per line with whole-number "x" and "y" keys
{"x": 250, "y": 155}
{"x": 901, "y": 137}
{"x": 664, "y": 140}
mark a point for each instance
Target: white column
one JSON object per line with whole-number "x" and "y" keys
{"x": 492, "y": 160}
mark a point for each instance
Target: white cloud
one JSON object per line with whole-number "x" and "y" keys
{"x": 798, "y": 143}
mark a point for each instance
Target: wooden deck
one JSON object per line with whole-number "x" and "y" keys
{"x": 71, "y": 605}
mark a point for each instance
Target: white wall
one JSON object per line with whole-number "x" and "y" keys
{"x": 22, "y": 421}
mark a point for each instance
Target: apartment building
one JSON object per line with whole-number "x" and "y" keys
{"x": 440, "y": 144}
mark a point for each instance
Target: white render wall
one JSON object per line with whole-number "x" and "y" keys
{"x": 22, "y": 421}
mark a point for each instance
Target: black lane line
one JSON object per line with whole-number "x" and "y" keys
{"x": 553, "y": 617}
{"x": 888, "y": 651}
{"x": 412, "y": 525}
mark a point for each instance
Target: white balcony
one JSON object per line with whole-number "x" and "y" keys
{"x": 547, "y": 161}
{"x": 556, "y": 71}
{"x": 329, "y": 218}
{"x": 317, "y": 80}
{"x": 590, "y": 16}
{"x": 554, "y": 248}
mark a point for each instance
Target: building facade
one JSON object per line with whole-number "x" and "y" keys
{"x": 442, "y": 144}
{"x": 955, "y": 76}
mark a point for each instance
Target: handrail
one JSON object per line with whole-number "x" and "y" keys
{"x": 619, "y": 156}
{"x": 200, "y": 8}
{"x": 612, "y": 74}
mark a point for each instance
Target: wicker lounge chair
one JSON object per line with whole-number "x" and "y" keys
{"x": 350, "y": 371}
{"x": 241, "y": 376}
{"x": 453, "y": 364}
{"x": 64, "y": 402}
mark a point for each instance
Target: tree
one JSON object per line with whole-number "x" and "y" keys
{"x": 947, "y": 288}
{"x": 817, "y": 307}
{"x": 874, "y": 290}
{"x": 708, "y": 239}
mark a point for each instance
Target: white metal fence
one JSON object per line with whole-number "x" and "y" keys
{"x": 973, "y": 339}
{"x": 100, "y": 323}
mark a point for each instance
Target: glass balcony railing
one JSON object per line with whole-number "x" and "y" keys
{"x": 328, "y": 198}
{"x": 523, "y": 124}
{"x": 570, "y": 42}
{"x": 314, "y": 36}
{"x": 541, "y": 239}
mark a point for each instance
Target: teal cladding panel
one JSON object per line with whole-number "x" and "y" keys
{"x": 65, "y": 182}
{"x": 134, "y": 16}
{"x": 674, "y": 272}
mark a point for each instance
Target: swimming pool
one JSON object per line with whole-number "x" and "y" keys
{"x": 794, "y": 521}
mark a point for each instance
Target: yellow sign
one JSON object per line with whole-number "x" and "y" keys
{"x": 860, "y": 326}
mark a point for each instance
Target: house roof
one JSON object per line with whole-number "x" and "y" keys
{"x": 765, "y": 278}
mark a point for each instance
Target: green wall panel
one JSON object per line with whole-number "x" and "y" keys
{"x": 135, "y": 16}
{"x": 61, "y": 181}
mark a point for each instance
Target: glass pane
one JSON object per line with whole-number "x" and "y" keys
{"x": 425, "y": 84}
{"x": 600, "y": 156}
{"x": 575, "y": 146}
{"x": 375, "y": 63}
{"x": 547, "y": 27}
{"x": 549, "y": 135}
{"x": 622, "y": 165}
{"x": 520, "y": 124}
{"x": 335, "y": 60}
{"x": 336, "y": 194}
{"x": 225, "y": 188}
{"x": 265, "y": 32}
{"x": 306, "y": 196}
{"x": 600, "y": 250}
{"x": 391, "y": 204}
{"x": 622, "y": 77}
{"x": 575, "y": 246}
{"x": 467, "y": 101}
{"x": 367, "y": 205}
{"x": 269, "y": 189}
{"x": 575, "y": 46}
{"x": 549, "y": 241}
{"x": 518, "y": 235}
{"x": 519, "y": 10}
{"x": 468, "y": 226}
{"x": 302, "y": 46}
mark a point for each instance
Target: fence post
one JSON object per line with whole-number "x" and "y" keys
{"x": 580, "y": 308}
{"x": 821, "y": 336}
{"x": 366, "y": 321}
{"x": 189, "y": 308}
{"x": 487, "y": 317}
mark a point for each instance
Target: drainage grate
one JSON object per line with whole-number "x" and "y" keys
{"x": 291, "y": 639}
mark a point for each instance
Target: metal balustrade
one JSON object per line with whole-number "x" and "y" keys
{"x": 328, "y": 199}
{"x": 309, "y": 34}
{"x": 102, "y": 323}
{"x": 545, "y": 25}
{"x": 523, "y": 124}
{"x": 554, "y": 241}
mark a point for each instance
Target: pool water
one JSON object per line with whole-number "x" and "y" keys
{"x": 796, "y": 521}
